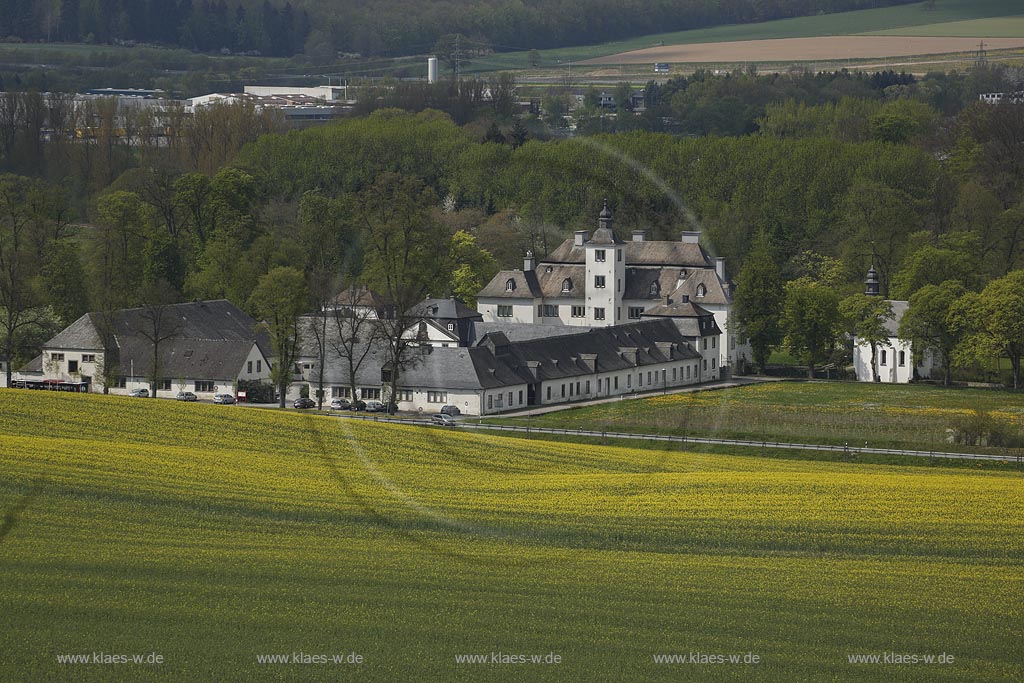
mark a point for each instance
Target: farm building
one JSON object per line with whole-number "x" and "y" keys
{"x": 203, "y": 346}
{"x": 497, "y": 374}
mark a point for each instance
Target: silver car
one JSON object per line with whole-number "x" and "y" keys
{"x": 139, "y": 393}
{"x": 225, "y": 399}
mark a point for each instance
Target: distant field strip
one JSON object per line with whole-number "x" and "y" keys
{"x": 805, "y": 49}
{"x": 999, "y": 27}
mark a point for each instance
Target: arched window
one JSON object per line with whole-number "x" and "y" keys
{"x": 566, "y": 285}
{"x": 510, "y": 285}
{"x": 701, "y": 290}
{"x": 655, "y": 289}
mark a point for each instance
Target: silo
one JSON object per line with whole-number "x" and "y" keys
{"x": 432, "y": 70}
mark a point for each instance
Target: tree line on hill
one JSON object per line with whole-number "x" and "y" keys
{"x": 202, "y": 25}
{"x": 94, "y": 223}
{"x": 383, "y": 26}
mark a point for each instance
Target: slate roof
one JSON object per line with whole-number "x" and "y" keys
{"x": 211, "y": 339}
{"x": 604, "y": 237}
{"x": 81, "y": 334}
{"x": 500, "y": 362}
{"x": 688, "y": 317}
{"x": 552, "y": 278}
{"x": 639, "y": 280}
{"x": 34, "y": 366}
{"x": 526, "y": 285}
{"x": 520, "y": 332}
{"x": 717, "y": 292}
{"x": 497, "y": 361}
{"x": 892, "y": 325}
{"x": 647, "y": 253}
{"x": 447, "y": 309}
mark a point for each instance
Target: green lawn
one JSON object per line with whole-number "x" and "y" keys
{"x": 898, "y": 19}
{"x": 913, "y": 417}
{"x": 213, "y": 534}
{"x": 996, "y": 27}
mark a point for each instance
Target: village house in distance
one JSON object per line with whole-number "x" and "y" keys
{"x": 597, "y": 280}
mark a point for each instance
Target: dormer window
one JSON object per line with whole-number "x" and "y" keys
{"x": 655, "y": 289}
{"x": 451, "y": 327}
{"x": 566, "y": 285}
{"x": 510, "y": 285}
{"x": 701, "y": 290}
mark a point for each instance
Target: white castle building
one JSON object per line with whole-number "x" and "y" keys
{"x": 596, "y": 280}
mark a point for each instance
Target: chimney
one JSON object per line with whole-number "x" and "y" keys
{"x": 639, "y": 235}
{"x": 668, "y": 300}
{"x": 581, "y": 236}
{"x": 720, "y": 267}
{"x": 690, "y": 237}
{"x": 529, "y": 263}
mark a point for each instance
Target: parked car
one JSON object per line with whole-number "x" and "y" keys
{"x": 375, "y": 407}
{"x": 303, "y": 403}
{"x": 340, "y": 404}
{"x": 443, "y": 419}
{"x": 225, "y": 399}
{"x": 187, "y": 396}
{"x": 450, "y": 410}
{"x": 358, "y": 405}
{"x": 139, "y": 393}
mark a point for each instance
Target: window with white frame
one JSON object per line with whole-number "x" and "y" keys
{"x": 201, "y": 385}
{"x": 635, "y": 312}
{"x": 550, "y": 311}
{"x": 437, "y": 397}
{"x": 88, "y": 358}
{"x": 368, "y": 394}
{"x": 404, "y": 394}
{"x": 566, "y": 285}
{"x": 599, "y": 255}
{"x": 510, "y": 285}
{"x": 579, "y": 311}
{"x": 599, "y": 281}
{"x": 701, "y": 290}
{"x": 655, "y": 288}
{"x": 598, "y": 314}
{"x": 504, "y": 311}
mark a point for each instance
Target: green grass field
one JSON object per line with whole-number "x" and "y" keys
{"x": 213, "y": 534}
{"x": 881, "y": 416}
{"x": 911, "y": 19}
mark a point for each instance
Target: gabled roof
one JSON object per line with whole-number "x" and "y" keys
{"x": 691, "y": 319}
{"x": 525, "y": 285}
{"x": 716, "y": 292}
{"x": 447, "y": 309}
{"x": 81, "y": 334}
{"x": 208, "y": 339}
